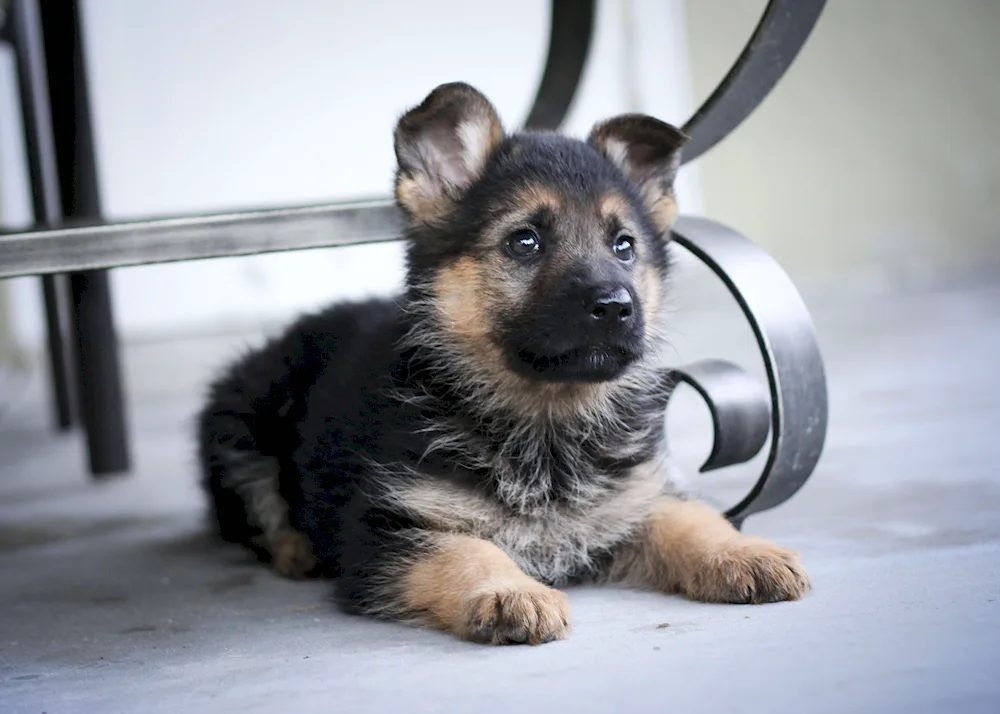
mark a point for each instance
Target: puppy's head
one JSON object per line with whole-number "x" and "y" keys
{"x": 539, "y": 255}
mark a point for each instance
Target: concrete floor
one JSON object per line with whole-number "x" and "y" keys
{"x": 112, "y": 599}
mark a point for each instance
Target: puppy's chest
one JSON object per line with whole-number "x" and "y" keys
{"x": 527, "y": 469}
{"x": 553, "y": 542}
{"x": 556, "y": 544}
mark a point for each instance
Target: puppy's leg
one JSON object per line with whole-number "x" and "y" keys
{"x": 473, "y": 589}
{"x": 239, "y": 433}
{"x": 464, "y": 585}
{"x": 689, "y": 548}
{"x": 254, "y": 479}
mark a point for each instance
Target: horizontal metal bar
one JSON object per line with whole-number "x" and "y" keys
{"x": 118, "y": 245}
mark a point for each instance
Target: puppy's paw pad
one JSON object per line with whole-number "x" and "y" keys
{"x": 753, "y": 571}
{"x": 291, "y": 554}
{"x": 533, "y": 614}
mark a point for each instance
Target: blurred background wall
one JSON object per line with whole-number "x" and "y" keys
{"x": 873, "y": 166}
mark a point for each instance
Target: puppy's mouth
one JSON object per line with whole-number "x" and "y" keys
{"x": 592, "y": 363}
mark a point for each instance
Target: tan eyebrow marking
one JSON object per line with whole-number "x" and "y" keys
{"x": 614, "y": 205}
{"x": 532, "y": 198}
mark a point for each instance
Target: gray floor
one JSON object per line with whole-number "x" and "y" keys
{"x": 113, "y": 600}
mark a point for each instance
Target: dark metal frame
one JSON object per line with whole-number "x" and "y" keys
{"x": 782, "y": 31}
{"x": 46, "y": 200}
{"x": 792, "y": 360}
{"x": 47, "y": 41}
{"x": 793, "y": 410}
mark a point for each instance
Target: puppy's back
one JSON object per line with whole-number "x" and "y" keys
{"x": 263, "y": 405}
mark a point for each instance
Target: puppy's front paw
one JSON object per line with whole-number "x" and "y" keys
{"x": 530, "y": 613}
{"x": 751, "y": 570}
{"x": 291, "y": 554}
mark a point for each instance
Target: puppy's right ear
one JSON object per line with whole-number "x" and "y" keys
{"x": 648, "y": 151}
{"x": 441, "y": 147}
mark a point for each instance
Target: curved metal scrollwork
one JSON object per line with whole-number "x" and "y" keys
{"x": 570, "y": 35}
{"x": 792, "y": 360}
{"x": 740, "y": 409}
{"x": 780, "y": 34}
{"x": 742, "y": 417}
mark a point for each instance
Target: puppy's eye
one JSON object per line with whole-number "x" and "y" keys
{"x": 624, "y": 248}
{"x": 524, "y": 243}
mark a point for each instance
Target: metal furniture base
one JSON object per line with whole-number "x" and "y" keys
{"x": 792, "y": 409}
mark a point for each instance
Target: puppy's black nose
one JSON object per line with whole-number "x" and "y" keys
{"x": 610, "y": 305}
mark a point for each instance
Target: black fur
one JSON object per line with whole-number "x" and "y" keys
{"x": 355, "y": 404}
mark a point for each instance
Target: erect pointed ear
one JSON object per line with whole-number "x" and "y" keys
{"x": 648, "y": 151}
{"x": 441, "y": 147}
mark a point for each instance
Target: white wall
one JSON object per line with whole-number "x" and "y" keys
{"x": 211, "y": 106}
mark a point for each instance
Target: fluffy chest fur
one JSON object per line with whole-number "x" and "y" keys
{"x": 556, "y": 494}
{"x": 554, "y": 542}
{"x": 557, "y": 500}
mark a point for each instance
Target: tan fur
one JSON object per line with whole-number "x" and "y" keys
{"x": 290, "y": 552}
{"x": 476, "y": 287}
{"x": 471, "y": 588}
{"x": 614, "y": 205}
{"x": 611, "y": 137}
{"x": 466, "y": 294}
{"x": 551, "y": 542}
{"x": 461, "y": 302}
{"x": 429, "y": 196}
{"x": 615, "y": 150}
{"x": 417, "y": 197}
{"x": 649, "y": 280}
{"x": 533, "y": 197}
{"x": 688, "y": 547}
{"x": 662, "y": 207}
{"x": 663, "y": 211}
{"x": 650, "y": 284}
{"x": 256, "y": 481}
{"x": 479, "y": 135}
{"x": 490, "y": 133}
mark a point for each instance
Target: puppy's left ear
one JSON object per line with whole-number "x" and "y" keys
{"x": 648, "y": 151}
{"x": 442, "y": 146}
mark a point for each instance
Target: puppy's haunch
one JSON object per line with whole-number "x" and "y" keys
{"x": 454, "y": 454}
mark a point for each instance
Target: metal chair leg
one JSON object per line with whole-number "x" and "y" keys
{"x": 23, "y": 31}
{"x": 100, "y": 383}
{"x": 60, "y": 353}
{"x": 101, "y": 397}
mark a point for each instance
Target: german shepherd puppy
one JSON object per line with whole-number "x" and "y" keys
{"x": 453, "y": 455}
